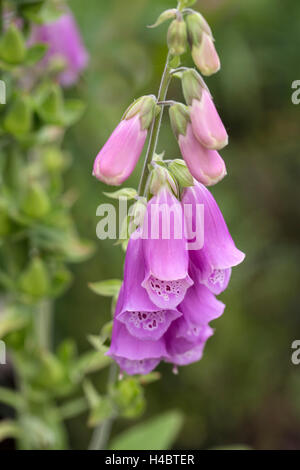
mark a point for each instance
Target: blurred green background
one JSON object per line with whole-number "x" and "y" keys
{"x": 245, "y": 390}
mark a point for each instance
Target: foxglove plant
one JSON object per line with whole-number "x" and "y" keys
{"x": 163, "y": 308}
{"x": 167, "y": 299}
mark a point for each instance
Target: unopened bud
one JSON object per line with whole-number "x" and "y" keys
{"x": 206, "y": 57}
{"x": 177, "y": 37}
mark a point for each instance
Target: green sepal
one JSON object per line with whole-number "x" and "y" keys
{"x": 180, "y": 117}
{"x": 165, "y": 16}
{"x": 181, "y": 173}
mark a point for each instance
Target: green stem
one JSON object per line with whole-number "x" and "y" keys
{"x": 155, "y": 128}
{"x": 43, "y": 325}
{"x": 101, "y": 434}
{"x": 1, "y": 16}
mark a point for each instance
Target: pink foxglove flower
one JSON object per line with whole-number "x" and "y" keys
{"x": 64, "y": 41}
{"x": 117, "y": 159}
{"x": 219, "y": 254}
{"x": 142, "y": 318}
{"x": 206, "y": 122}
{"x": 133, "y": 355}
{"x": 187, "y": 336}
{"x": 205, "y": 165}
{"x": 165, "y": 251}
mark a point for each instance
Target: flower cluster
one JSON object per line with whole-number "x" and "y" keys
{"x": 168, "y": 297}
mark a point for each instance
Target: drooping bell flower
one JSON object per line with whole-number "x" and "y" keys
{"x": 142, "y": 318}
{"x": 165, "y": 251}
{"x": 65, "y": 42}
{"x": 205, "y": 165}
{"x": 219, "y": 254}
{"x": 187, "y": 336}
{"x": 201, "y": 40}
{"x": 117, "y": 159}
{"x": 133, "y": 355}
{"x": 206, "y": 122}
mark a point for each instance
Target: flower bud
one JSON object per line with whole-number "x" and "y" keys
{"x": 177, "y": 37}
{"x": 202, "y": 43}
{"x": 117, "y": 159}
{"x": 206, "y": 57}
{"x": 205, "y": 165}
{"x": 207, "y": 125}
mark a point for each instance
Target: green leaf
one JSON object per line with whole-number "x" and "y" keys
{"x": 8, "y": 429}
{"x": 12, "y": 46}
{"x": 73, "y": 408}
{"x": 91, "y": 361}
{"x": 34, "y": 281}
{"x": 156, "y": 434}
{"x": 41, "y": 11}
{"x": 11, "y": 398}
{"x": 35, "y": 53}
{"x": 36, "y": 202}
{"x": 109, "y": 288}
{"x": 18, "y": 120}
{"x": 12, "y": 320}
{"x": 104, "y": 410}
{"x": 50, "y": 105}
{"x": 126, "y": 193}
{"x": 128, "y": 395}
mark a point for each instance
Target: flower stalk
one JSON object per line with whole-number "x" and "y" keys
{"x": 156, "y": 125}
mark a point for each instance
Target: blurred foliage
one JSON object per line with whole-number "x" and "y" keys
{"x": 245, "y": 389}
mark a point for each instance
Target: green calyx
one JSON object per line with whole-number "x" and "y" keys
{"x": 192, "y": 85}
{"x": 145, "y": 107}
{"x": 181, "y": 174}
{"x": 177, "y": 37}
{"x": 196, "y": 25}
{"x": 180, "y": 117}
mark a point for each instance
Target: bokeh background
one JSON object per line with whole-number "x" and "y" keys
{"x": 245, "y": 390}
